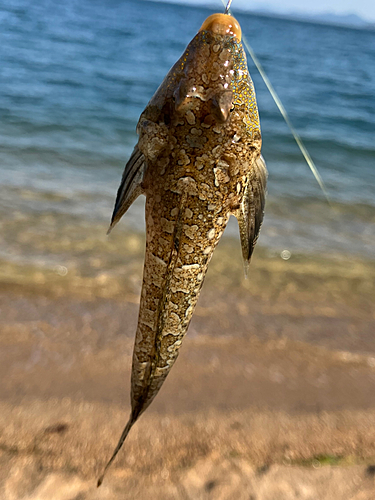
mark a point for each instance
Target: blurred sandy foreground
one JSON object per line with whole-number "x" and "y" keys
{"x": 272, "y": 396}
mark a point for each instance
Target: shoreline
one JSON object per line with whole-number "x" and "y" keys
{"x": 91, "y": 264}
{"x": 275, "y": 379}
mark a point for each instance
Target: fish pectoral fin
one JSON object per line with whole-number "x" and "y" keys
{"x": 130, "y": 187}
{"x": 251, "y": 211}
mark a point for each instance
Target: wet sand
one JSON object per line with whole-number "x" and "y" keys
{"x": 272, "y": 396}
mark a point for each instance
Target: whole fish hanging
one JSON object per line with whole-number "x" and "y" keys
{"x": 198, "y": 161}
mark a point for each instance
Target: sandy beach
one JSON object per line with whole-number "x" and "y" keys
{"x": 271, "y": 398}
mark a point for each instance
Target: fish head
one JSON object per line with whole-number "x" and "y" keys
{"x": 206, "y": 68}
{"x": 212, "y": 79}
{"x": 209, "y": 88}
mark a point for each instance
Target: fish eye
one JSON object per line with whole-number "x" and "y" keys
{"x": 222, "y": 24}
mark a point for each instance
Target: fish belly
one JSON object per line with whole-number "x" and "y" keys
{"x": 182, "y": 232}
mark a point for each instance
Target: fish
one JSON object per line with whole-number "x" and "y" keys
{"x": 198, "y": 161}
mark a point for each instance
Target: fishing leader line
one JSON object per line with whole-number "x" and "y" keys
{"x": 227, "y": 7}
{"x": 284, "y": 114}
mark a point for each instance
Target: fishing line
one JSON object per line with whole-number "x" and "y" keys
{"x": 227, "y": 7}
{"x": 283, "y": 112}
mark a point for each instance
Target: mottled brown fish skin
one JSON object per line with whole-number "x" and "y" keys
{"x": 200, "y": 140}
{"x": 198, "y": 164}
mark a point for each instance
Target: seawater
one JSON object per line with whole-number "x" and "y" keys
{"x": 75, "y": 76}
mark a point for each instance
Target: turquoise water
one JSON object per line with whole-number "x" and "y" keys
{"x": 75, "y": 76}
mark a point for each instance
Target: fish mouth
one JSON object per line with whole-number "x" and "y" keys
{"x": 222, "y": 24}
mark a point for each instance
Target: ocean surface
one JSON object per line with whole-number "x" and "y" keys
{"x": 75, "y": 76}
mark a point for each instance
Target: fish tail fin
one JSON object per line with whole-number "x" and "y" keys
{"x": 124, "y": 434}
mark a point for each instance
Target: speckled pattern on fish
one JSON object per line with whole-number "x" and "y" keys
{"x": 197, "y": 161}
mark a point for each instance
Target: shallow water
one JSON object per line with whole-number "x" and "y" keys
{"x": 75, "y": 77}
